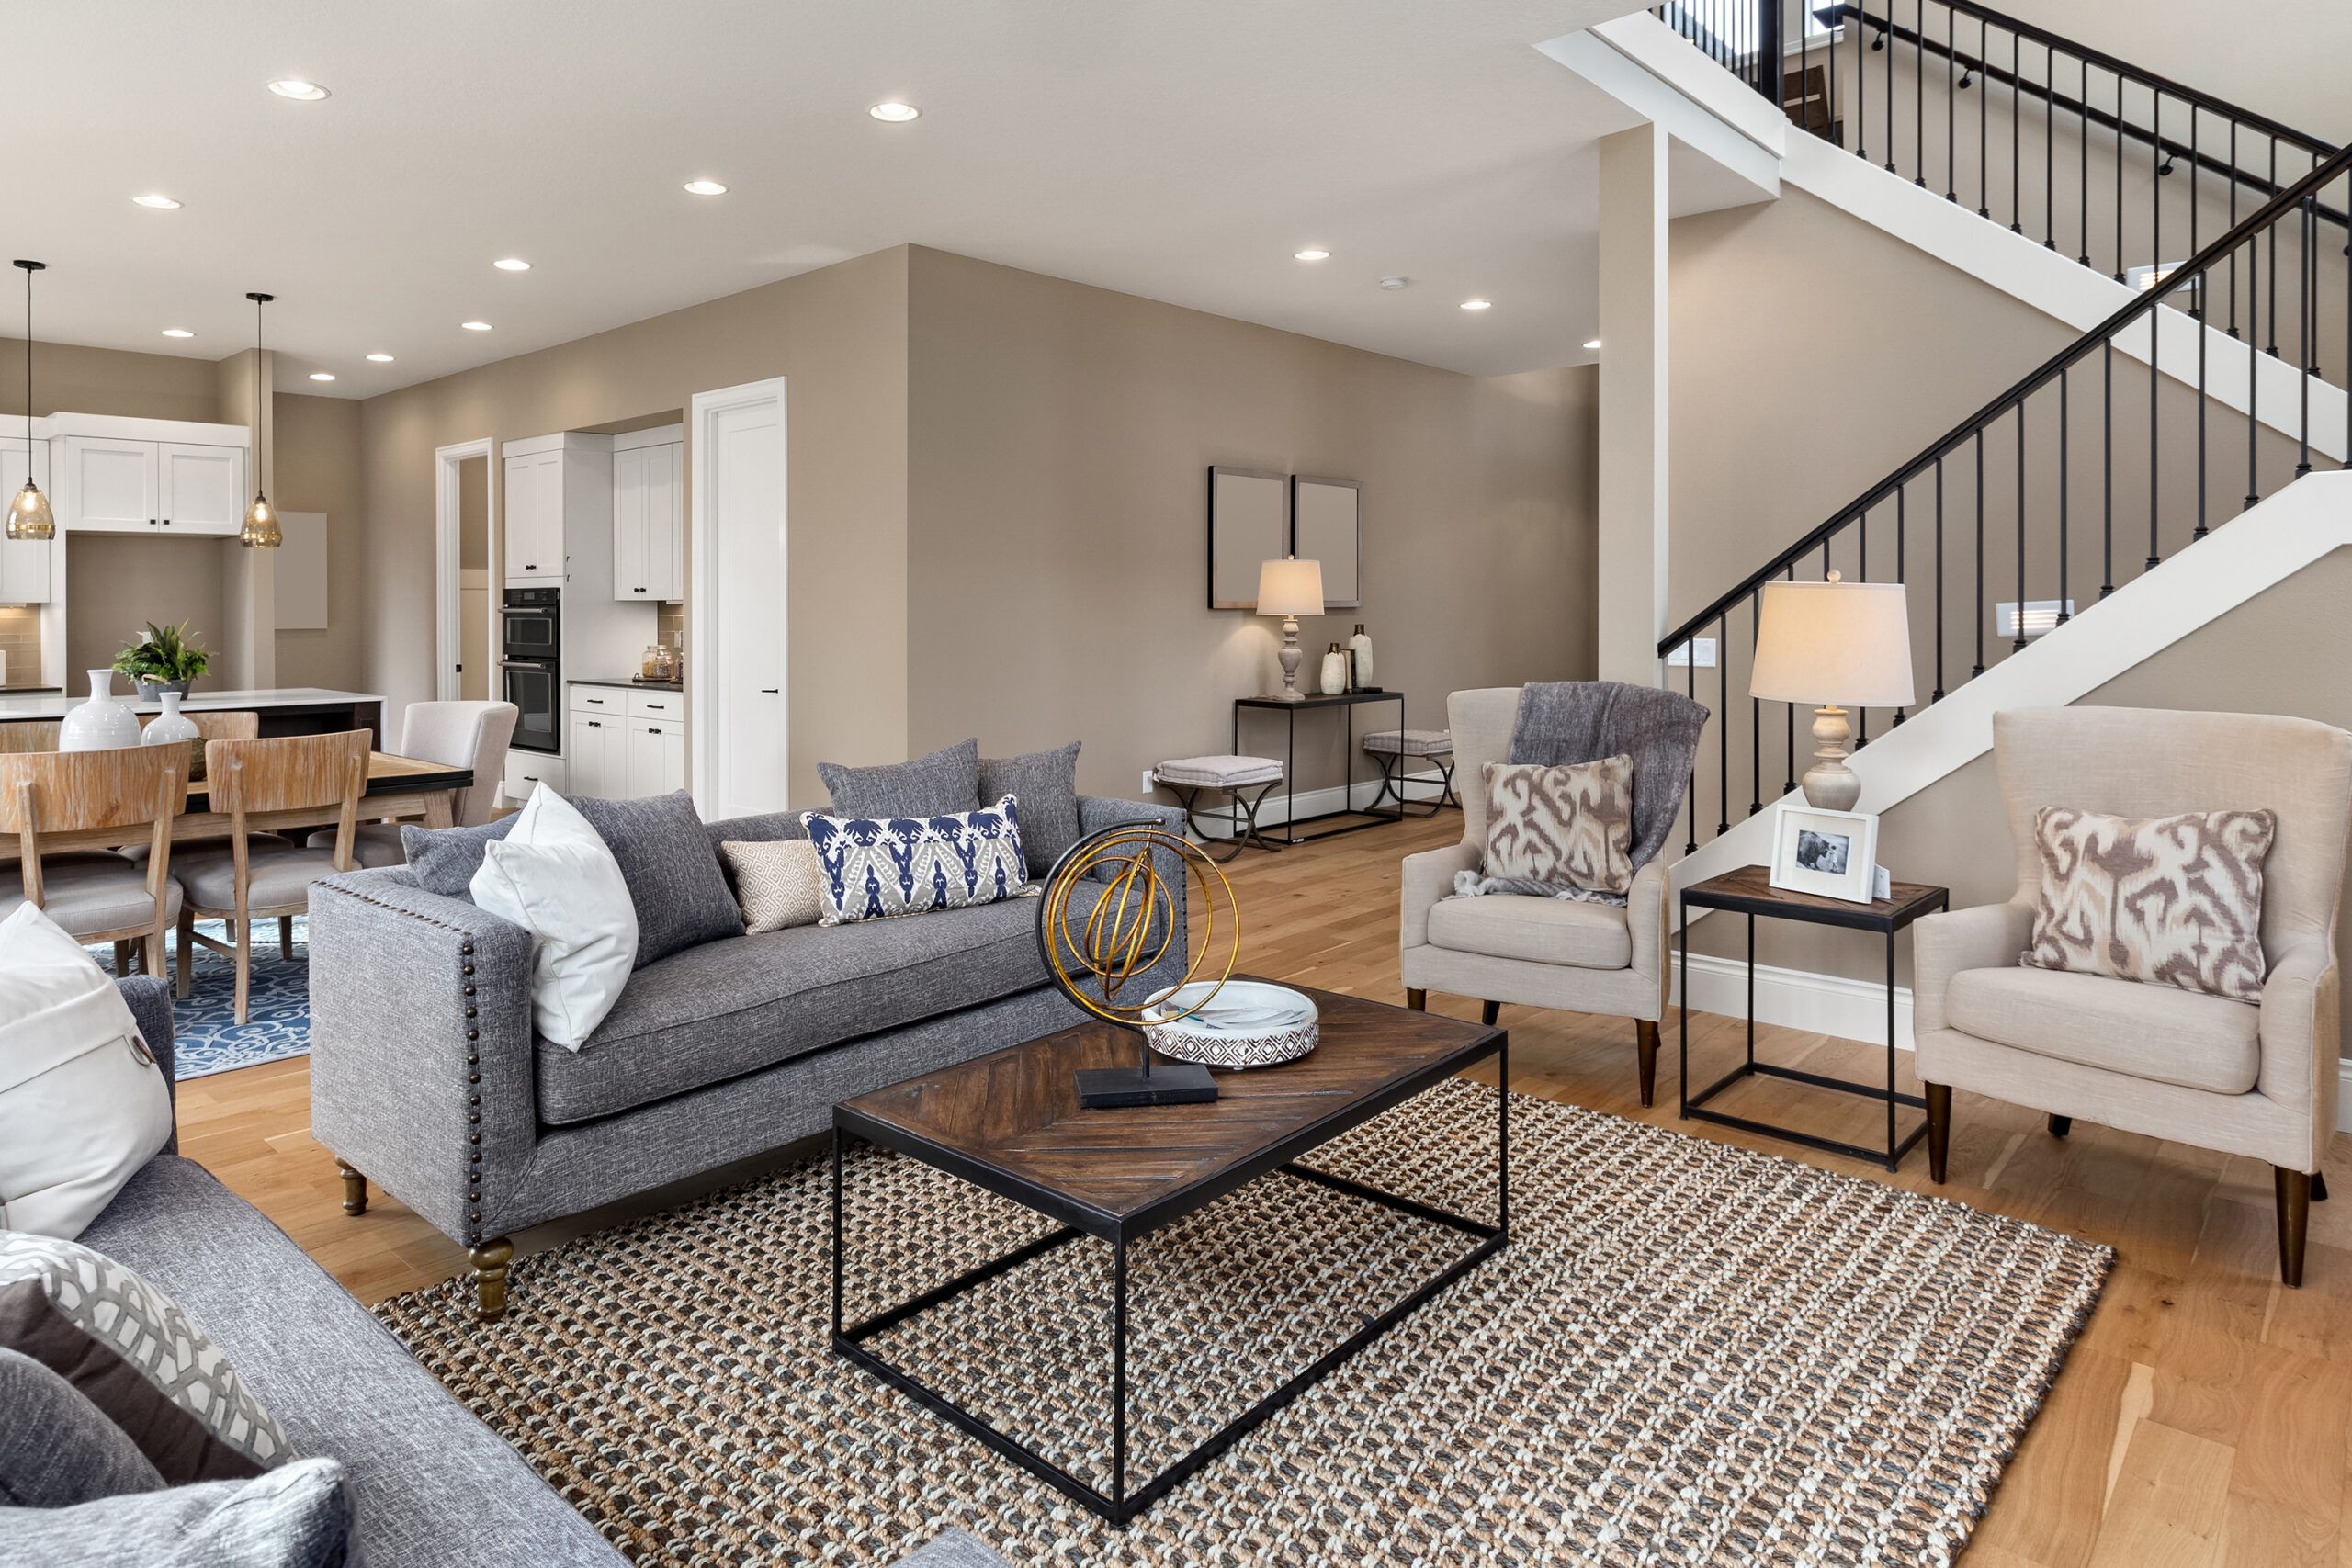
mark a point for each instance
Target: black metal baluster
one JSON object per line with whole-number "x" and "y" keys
{"x": 2253, "y": 374}
{"x": 2234, "y": 223}
{"x": 2307, "y": 302}
{"x": 1979, "y": 667}
{"x": 2156, "y": 385}
{"x": 2066, "y": 478}
{"x": 1886, "y": 42}
{"x": 2196, "y": 164}
{"x": 2082, "y": 178}
{"x": 2107, "y": 469}
{"x": 1861, "y": 84}
{"x": 1723, "y": 720}
{"x": 1952, "y": 104}
{"x": 1804, "y": 68}
{"x": 2347, "y": 334}
{"x": 1862, "y": 575}
{"x": 1983, "y": 111}
{"x": 1900, "y": 491}
{"x": 2019, "y": 627}
{"x": 1754, "y": 708}
{"x": 2204, "y": 281}
{"x": 2017, "y": 91}
{"x": 1690, "y": 673}
{"x": 2274, "y": 253}
{"x": 1791, "y": 575}
{"x": 1937, "y": 695}
{"x": 2155, "y": 210}
{"x": 2050, "y": 146}
{"x": 1918, "y": 94}
{"x": 2118, "y": 176}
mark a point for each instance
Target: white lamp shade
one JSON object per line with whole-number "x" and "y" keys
{"x": 1290, "y": 588}
{"x": 1840, "y": 644}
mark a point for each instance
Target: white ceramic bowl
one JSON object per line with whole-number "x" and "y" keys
{"x": 1248, "y": 1023}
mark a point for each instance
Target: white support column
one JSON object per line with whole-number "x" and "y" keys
{"x": 1632, "y": 546}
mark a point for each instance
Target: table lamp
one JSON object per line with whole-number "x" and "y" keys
{"x": 1290, "y": 588}
{"x": 1833, "y": 643}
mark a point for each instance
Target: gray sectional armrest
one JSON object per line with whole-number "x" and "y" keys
{"x": 149, "y": 999}
{"x": 422, "y": 1073}
{"x": 1097, "y": 812}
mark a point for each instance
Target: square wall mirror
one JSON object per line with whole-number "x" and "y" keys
{"x": 1325, "y": 523}
{"x": 1246, "y": 529}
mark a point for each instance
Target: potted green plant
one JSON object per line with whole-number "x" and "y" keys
{"x": 162, "y": 660}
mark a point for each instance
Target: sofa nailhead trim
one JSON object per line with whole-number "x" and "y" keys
{"x": 470, "y": 990}
{"x": 474, "y": 1098}
{"x": 473, "y": 1078}
{"x": 469, "y": 1012}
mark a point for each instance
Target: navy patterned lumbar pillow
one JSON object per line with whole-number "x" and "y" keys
{"x": 877, "y": 868}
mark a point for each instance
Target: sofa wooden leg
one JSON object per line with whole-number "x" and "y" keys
{"x": 186, "y": 954}
{"x": 121, "y": 960}
{"x": 1645, "y": 1054}
{"x": 1489, "y": 1013}
{"x": 286, "y": 938}
{"x": 1938, "y": 1099}
{"x": 2319, "y": 1187}
{"x": 2294, "y": 1189}
{"x": 1417, "y": 998}
{"x": 354, "y": 1191}
{"x": 490, "y": 1278}
{"x": 2060, "y": 1125}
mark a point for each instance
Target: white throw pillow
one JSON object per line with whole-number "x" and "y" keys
{"x": 83, "y": 1102}
{"x": 554, "y": 877}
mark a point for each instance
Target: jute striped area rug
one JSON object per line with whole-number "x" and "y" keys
{"x": 1688, "y": 1354}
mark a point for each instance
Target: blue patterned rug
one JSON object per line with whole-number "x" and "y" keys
{"x": 205, "y": 1036}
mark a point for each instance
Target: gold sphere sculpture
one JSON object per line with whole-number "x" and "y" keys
{"x": 1130, "y": 928}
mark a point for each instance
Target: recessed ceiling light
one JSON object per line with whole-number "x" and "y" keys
{"x": 1312, "y": 253}
{"x": 706, "y": 187}
{"x": 157, "y": 200}
{"x": 1593, "y": 343}
{"x": 292, "y": 87}
{"x": 896, "y": 113}
{"x": 475, "y": 326}
{"x": 177, "y": 331}
{"x": 1477, "y": 304}
{"x": 380, "y": 359}
{"x": 1394, "y": 283}
{"x": 322, "y": 375}
{"x": 512, "y": 264}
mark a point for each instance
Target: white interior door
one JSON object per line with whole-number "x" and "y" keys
{"x": 737, "y": 532}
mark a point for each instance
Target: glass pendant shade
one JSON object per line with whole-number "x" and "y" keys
{"x": 29, "y": 516}
{"x": 260, "y": 530}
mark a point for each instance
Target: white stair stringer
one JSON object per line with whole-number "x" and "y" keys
{"x": 2259, "y": 548}
{"x": 1652, "y": 64}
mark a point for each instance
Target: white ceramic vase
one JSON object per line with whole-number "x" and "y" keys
{"x": 1361, "y": 646}
{"x": 171, "y": 727}
{"x": 1335, "y": 672}
{"x": 103, "y": 724}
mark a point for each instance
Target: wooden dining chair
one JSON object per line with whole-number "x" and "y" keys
{"x": 67, "y": 811}
{"x": 232, "y": 726}
{"x": 29, "y": 735}
{"x": 252, "y": 874}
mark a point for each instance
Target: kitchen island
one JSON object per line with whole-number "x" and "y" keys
{"x": 284, "y": 710}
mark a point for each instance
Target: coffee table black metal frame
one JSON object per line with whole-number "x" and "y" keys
{"x": 1371, "y": 816}
{"x": 1120, "y": 1505}
{"x": 1736, "y": 893}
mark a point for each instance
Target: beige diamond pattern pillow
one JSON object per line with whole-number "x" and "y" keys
{"x": 1570, "y": 826}
{"x": 779, "y": 883}
{"x": 2167, "y": 900}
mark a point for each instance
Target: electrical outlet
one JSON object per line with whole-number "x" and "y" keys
{"x": 1703, "y": 646}
{"x": 1149, "y": 784}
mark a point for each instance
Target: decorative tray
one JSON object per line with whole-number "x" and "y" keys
{"x": 1248, "y": 1023}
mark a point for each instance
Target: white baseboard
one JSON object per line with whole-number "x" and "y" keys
{"x": 1796, "y": 998}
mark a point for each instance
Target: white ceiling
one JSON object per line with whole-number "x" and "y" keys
{"x": 1179, "y": 151}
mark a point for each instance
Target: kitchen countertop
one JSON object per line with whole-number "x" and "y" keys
{"x": 626, "y": 681}
{"x": 200, "y": 700}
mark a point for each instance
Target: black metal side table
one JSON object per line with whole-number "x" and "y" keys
{"x": 1347, "y": 702}
{"x": 1750, "y": 891}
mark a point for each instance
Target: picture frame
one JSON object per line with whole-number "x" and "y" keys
{"x": 1830, "y": 854}
{"x": 1327, "y": 526}
{"x": 1249, "y": 523}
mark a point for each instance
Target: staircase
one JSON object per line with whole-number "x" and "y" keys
{"x": 2084, "y": 490}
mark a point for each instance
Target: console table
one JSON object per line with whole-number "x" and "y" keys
{"x": 1346, "y": 703}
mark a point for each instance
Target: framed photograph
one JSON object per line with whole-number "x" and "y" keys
{"x": 1247, "y": 527}
{"x": 1326, "y": 525}
{"x": 1833, "y": 855}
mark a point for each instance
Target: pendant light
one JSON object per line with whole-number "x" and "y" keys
{"x": 29, "y": 515}
{"x": 260, "y": 530}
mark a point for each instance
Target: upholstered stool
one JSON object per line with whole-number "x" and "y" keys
{"x": 1395, "y": 747}
{"x": 1236, "y": 778}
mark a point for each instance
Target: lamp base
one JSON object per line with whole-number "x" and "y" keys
{"x": 1829, "y": 783}
{"x": 1179, "y": 1083}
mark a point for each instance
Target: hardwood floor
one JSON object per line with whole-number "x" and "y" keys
{"x": 2203, "y": 1417}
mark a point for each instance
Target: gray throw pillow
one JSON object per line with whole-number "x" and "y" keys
{"x": 941, "y": 784}
{"x": 297, "y": 1515}
{"x": 672, "y": 873}
{"x": 56, "y": 1448}
{"x": 444, "y": 859}
{"x": 1046, "y": 782}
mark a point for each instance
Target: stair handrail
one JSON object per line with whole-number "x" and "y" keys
{"x": 2146, "y": 304}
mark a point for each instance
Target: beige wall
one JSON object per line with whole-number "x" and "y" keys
{"x": 117, "y": 582}
{"x": 839, "y": 335}
{"x": 106, "y": 380}
{"x": 316, "y": 463}
{"x": 1061, "y": 436}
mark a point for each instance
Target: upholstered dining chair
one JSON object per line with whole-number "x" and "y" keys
{"x": 65, "y": 811}
{"x": 1528, "y": 951}
{"x": 464, "y": 734}
{"x": 2256, "y": 1079}
{"x": 254, "y": 874}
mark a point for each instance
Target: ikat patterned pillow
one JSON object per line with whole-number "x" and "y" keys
{"x": 1570, "y": 826}
{"x": 2167, "y": 900}
{"x": 879, "y": 868}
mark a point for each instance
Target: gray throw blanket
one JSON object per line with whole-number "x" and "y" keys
{"x": 1584, "y": 721}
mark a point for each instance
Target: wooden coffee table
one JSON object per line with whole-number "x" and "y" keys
{"x": 1009, "y": 1122}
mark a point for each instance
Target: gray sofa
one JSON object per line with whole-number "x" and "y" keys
{"x": 430, "y": 1484}
{"x": 425, "y": 1073}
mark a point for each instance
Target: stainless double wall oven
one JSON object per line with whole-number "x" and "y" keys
{"x": 531, "y": 651}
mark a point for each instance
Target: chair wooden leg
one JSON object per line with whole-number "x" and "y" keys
{"x": 150, "y": 953}
{"x": 1645, "y": 1053}
{"x": 2294, "y": 1189}
{"x": 1417, "y": 998}
{"x": 188, "y": 950}
{"x": 1489, "y": 1013}
{"x": 121, "y": 960}
{"x": 244, "y": 974}
{"x": 286, "y": 938}
{"x": 490, "y": 1278}
{"x": 2060, "y": 1125}
{"x": 1938, "y": 1099}
{"x": 354, "y": 1189}
{"x": 2319, "y": 1187}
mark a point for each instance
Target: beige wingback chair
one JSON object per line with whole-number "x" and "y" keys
{"x": 1545, "y": 952}
{"x": 2242, "y": 1079}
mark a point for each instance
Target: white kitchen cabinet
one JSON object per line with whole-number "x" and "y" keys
{"x": 25, "y": 565}
{"x": 110, "y": 484}
{"x": 525, "y": 771}
{"x": 534, "y": 518}
{"x": 596, "y": 755}
{"x": 657, "y": 756}
{"x": 617, "y": 750}
{"x": 649, "y": 523}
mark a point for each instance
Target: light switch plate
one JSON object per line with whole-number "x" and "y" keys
{"x": 1680, "y": 657}
{"x": 1148, "y": 786}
